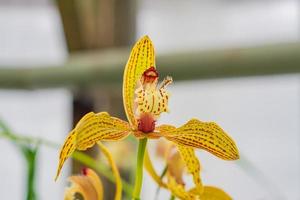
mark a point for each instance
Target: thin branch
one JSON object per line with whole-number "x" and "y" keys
{"x": 105, "y": 67}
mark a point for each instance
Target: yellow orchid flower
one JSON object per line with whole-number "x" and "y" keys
{"x": 144, "y": 100}
{"x": 177, "y": 160}
{"x": 85, "y": 186}
{"x": 89, "y": 186}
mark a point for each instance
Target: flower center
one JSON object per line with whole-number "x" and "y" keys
{"x": 146, "y": 123}
{"x": 151, "y": 100}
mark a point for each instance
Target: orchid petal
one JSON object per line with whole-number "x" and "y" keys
{"x": 66, "y": 151}
{"x": 205, "y": 135}
{"x": 141, "y": 58}
{"x": 115, "y": 170}
{"x": 178, "y": 189}
{"x": 90, "y": 129}
{"x": 153, "y": 100}
{"x": 87, "y": 186}
{"x": 101, "y": 126}
{"x": 214, "y": 193}
{"x": 96, "y": 181}
{"x": 193, "y": 165}
{"x": 175, "y": 163}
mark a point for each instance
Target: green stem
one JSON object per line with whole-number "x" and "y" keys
{"x": 30, "y": 154}
{"x": 172, "y": 197}
{"x": 139, "y": 169}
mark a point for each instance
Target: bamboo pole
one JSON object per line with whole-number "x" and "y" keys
{"x": 106, "y": 67}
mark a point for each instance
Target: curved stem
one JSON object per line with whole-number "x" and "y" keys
{"x": 139, "y": 169}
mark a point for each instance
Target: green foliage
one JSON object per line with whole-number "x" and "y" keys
{"x": 29, "y": 152}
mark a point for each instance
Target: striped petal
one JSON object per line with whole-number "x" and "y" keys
{"x": 152, "y": 99}
{"x": 115, "y": 170}
{"x": 177, "y": 159}
{"x": 101, "y": 126}
{"x": 193, "y": 165}
{"x": 66, "y": 151}
{"x": 91, "y": 129}
{"x": 205, "y": 135}
{"x": 141, "y": 58}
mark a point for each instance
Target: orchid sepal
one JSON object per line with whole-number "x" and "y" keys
{"x": 203, "y": 135}
{"x": 92, "y": 127}
{"x": 141, "y": 58}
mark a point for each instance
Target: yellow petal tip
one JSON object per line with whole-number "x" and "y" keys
{"x": 237, "y": 156}
{"x": 146, "y": 37}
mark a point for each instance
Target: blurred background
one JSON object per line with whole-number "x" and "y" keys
{"x": 233, "y": 62}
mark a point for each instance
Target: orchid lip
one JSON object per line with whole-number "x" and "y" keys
{"x": 150, "y": 98}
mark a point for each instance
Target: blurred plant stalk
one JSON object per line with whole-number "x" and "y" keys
{"x": 29, "y": 152}
{"x": 104, "y": 67}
